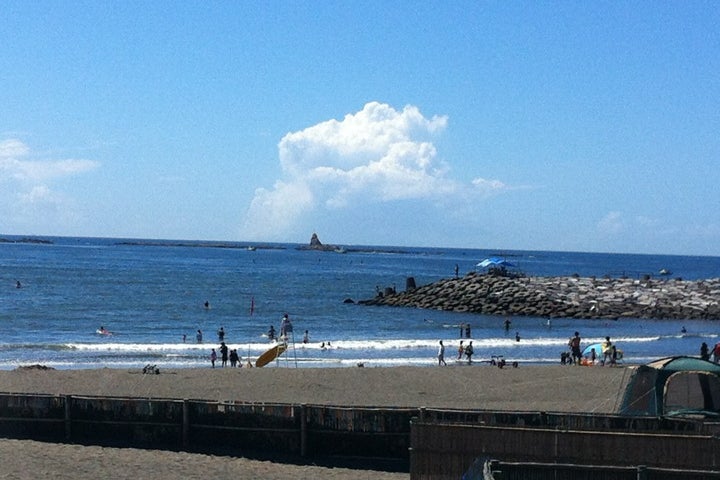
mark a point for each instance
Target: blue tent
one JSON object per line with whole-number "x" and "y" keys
{"x": 495, "y": 262}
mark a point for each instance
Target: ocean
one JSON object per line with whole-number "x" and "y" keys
{"x": 151, "y": 296}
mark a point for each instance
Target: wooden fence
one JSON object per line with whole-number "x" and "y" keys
{"x": 430, "y": 443}
{"x": 306, "y": 430}
{"x": 447, "y": 451}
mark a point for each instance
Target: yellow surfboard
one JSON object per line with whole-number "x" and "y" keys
{"x": 271, "y": 355}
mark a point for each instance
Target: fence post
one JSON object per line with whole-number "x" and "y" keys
{"x": 68, "y": 419}
{"x": 642, "y": 472}
{"x": 185, "y": 423}
{"x": 303, "y": 429}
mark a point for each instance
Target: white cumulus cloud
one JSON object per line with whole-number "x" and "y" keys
{"x": 15, "y": 164}
{"x": 27, "y": 198}
{"x": 373, "y": 156}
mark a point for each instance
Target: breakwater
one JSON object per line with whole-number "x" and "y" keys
{"x": 563, "y": 297}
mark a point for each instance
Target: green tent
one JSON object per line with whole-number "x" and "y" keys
{"x": 674, "y": 386}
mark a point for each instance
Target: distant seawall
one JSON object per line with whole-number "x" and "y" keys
{"x": 564, "y": 297}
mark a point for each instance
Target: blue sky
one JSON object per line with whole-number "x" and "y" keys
{"x": 582, "y": 126}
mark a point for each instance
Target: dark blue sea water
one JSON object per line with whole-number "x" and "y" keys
{"x": 151, "y": 295}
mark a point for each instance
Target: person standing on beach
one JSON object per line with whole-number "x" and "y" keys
{"x": 461, "y": 350}
{"x": 469, "y": 352}
{"x": 574, "y": 345}
{"x": 613, "y": 355}
{"x": 606, "y": 350}
{"x": 213, "y": 357}
{"x": 716, "y": 353}
{"x": 223, "y": 354}
{"x": 704, "y": 353}
{"x": 441, "y": 354}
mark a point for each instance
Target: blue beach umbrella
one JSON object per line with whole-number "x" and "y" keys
{"x": 597, "y": 347}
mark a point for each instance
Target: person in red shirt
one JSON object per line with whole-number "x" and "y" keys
{"x": 716, "y": 353}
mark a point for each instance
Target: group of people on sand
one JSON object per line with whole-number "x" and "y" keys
{"x": 225, "y": 355}
{"x": 463, "y": 350}
{"x": 608, "y": 354}
{"x": 466, "y": 350}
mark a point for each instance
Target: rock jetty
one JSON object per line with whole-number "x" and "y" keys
{"x": 564, "y": 297}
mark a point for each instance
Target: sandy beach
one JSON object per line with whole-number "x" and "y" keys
{"x": 526, "y": 388}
